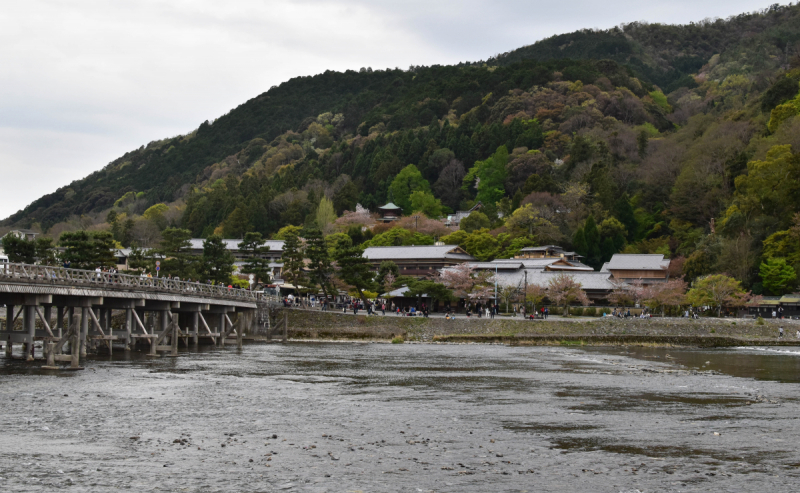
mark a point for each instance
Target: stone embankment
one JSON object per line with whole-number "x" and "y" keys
{"x": 706, "y": 332}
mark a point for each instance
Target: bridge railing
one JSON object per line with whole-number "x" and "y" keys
{"x": 43, "y": 274}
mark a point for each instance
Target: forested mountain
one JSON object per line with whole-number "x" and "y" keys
{"x": 644, "y": 138}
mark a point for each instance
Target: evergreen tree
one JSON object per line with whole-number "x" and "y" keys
{"x": 624, "y": 212}
{"x": 778, "y": 276}
{"x": 84, "y": 250}
{"x": 320, "y": 267}
{"x": 104, "y": 249}
{"x": 217, "y": 260}
{"x": 607, "y": 249}
{"x": 253, "y": 249}
{"x": 579, "y": 243}
{"x": 355, "y": 270}
{"x": 293, "y": 263}
{"x": 386, "y": 268}
{"x": 592, "y": 237}
{"x": 139, "y": 261}
{"x": 175, "y": 251}
{"x": 46, "y": 251}
{"x": 19, "y": 250}
{"x": 78, "y": 251}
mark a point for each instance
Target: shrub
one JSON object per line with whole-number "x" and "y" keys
{"x": 398, "y": 340}
{"x": 590, "y": 312}
{"x": 605, "y": 310}
{"x": 759, "y": 321}
{"x": 577, "y": 311}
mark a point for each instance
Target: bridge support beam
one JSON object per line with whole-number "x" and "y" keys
{"x": 84, "y": 330}
{"x": 9, "y": 329}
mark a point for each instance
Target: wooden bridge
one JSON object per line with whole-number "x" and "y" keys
{"x": 159, "y": 313}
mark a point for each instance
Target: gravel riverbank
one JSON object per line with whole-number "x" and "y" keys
{"x": 306, "y": 324}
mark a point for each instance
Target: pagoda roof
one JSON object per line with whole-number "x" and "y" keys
{"x": 390, "y": 206}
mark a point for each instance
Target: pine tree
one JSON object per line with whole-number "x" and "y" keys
{"x": 253, "y": 249}
{"x": 355, "y": 270}
{"x": 293, "y": 263}
{"x": 321, "y": 270}
{"x": 217, "y": 260}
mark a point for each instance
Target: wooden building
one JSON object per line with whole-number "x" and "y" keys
{"x": 650, "y": 268}
{"x": 547, "y": 251}
{"x": 421, "y": 261}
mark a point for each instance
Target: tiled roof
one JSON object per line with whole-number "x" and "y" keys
{"x": 417, "y": 252}
{"x": 621, "y": 261}
{"x": 233, "y": 244}
{"x": 571, "y": 267}
{"x": 496, "y": 265}
{"x": 588, "y": 280}
{"x": 543, "y": 248}
{"x": 530, "y": 263}
{"x": 541, "y": 263}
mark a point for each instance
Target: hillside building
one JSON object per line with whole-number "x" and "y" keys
{"x": 421, "y": 261}
{"x": 650, "y": 268}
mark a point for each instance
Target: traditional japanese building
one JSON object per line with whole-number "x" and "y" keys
{"x": 547, "y": 251}
{"x": 650, "y": 268}
{"x": 390, "y": 212}
{"x": 418, "y": 261}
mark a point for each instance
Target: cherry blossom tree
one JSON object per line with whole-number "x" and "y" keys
{"x": 563, "y": 290}
{"x": 622, "y": 294}
{"x": 663, "y": 294}
{"x": 360, "y": 217}
{"x": 466, "y": 282}
{"x": 535, "y": 294}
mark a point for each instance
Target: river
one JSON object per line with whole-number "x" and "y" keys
{"x": 356, "y": 417}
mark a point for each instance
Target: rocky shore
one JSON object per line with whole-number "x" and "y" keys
{"x": 706, "y": 332}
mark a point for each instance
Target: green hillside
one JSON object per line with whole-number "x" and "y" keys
{"x": 680, "y": 140}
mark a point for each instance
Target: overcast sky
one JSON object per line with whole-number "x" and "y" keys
{"x": 84, "y": 81}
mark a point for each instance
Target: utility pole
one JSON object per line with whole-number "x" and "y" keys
{"x": 495, "y": 284}
{"x": 525, "y": 293}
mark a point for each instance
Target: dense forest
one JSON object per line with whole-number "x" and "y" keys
{"x": 645, "y": 138}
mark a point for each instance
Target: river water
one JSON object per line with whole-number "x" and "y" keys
{"x": 353, "y": 417}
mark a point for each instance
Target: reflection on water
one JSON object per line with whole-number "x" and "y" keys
{"x": 379, "y": 417}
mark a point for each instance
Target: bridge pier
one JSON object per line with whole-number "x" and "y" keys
{"x": 9, "y": 329}
{"x": 84, "y": 330}
{"x": 59, "y": 321}
{"x": 29, "y": 324}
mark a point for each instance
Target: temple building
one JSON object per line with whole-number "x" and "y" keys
{"x": 390, "y": 212}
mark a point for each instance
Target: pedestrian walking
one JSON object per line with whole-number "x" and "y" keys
{"x": 780, "y": 332}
